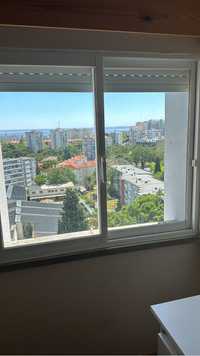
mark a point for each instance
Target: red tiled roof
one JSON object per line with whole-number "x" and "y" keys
{"x": 77, "y": 162}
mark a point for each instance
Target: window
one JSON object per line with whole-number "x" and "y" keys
{"x": 146, "y": 135}
{"x": 49, "y": 135}
{"x": 96, "y": 152}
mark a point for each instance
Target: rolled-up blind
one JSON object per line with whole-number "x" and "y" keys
{"x": 120, "y": 75}
{"x": 153, "y": 80}
{"x": 45, "y": 78}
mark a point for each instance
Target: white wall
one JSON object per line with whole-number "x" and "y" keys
{"x": 176, "y": 122}
{"x": 98, "y": 305}
{"x": 27, "y": 37}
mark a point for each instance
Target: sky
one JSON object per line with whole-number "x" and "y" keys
{"x": 75, "y": 110}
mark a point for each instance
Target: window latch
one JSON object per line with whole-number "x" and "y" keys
{"x": 194, "y": 163}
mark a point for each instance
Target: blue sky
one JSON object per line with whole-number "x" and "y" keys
{"x": 70, "y": 110}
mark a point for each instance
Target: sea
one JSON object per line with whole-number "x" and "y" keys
{"x": 17, "y": 134}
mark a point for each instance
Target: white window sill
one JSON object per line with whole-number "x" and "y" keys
{"x": 80, "y": 245}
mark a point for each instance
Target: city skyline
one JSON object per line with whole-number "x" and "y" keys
{"x": 31, "y": 111}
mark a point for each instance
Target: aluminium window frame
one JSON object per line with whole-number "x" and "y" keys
{"x": 125, "y": 236}
{"x": 192, "y": 192}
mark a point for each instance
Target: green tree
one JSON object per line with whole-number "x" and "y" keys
{"x": 144, "y": 209}
{"x": 10, "y": 150}
{"x": 90, "y": 181}
{"x": 138, "y": 154}
{"x": 60, "y": 176}
{"x": 147, "y": 208}
{"x": 40, "y": 179}
{"x": 66, "y": 153}
{"x": 28, "y": 230}
{"x": 73, "y": 218}
{"x": 124, "y": 137}
{"x": 49, "y": 164}
{"x": 157, "y": 165}
{"x": 113, "y": 179}
{"x": 71, "y": 150}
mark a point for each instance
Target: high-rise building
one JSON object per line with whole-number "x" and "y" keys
{"x": 34, "y": 140}
{"x": 81, "y": 133}
{"x": 89, "y": 148}
{"x": 58, "y": 138}
{"x": 108, "y": 140}
{"x": 19, "y": 171}
{"x": 132, "y": 135}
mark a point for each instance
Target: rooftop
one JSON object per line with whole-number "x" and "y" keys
{"x": 18, "y": 158}
{"x": 142, "y": 179}
{"x": 56, "y": 186}
{"x": 77, "y": 162}
{"x": 145, "y": 183}
{"x": 49, "y": 158}
{"x": 130, "y": 169}
{"x": 44, "y": 217}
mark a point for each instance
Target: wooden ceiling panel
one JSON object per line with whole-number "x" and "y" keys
{"x": 150, "y": 16}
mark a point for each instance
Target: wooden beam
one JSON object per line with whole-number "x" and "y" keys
{"x": 150, "y": 16}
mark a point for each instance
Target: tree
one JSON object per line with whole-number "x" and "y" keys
{"x": 139, "y": 154}
{"x": 28, "y": 230}
{"x": 144, "y": 209}
{"x": 73, "y": 218}
{"x": 49, "y": 164}
{"x": 66, "y": 153}
{"x": 60, "y": 176}
{"x": 90, "y": 181}
{"x": 147, "y": 208}
{"x": 10, "y": 150}
{"x": 40, "y": 179}
{"x": 70, "y": 151}
{"x": 124, "y": 137}
{"x": 113, "y": 179}
{"x": 157, "y": 165}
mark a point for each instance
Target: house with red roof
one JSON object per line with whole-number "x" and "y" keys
{"x": 80, "y": 166}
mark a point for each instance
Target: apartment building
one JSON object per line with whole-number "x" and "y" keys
{"x": 19, "y": 171}
{"x": 34, "y": 140}
{"x": 58, "y": 138}
{"x": 89, "y": 148}
{"x": 131, "y": 182}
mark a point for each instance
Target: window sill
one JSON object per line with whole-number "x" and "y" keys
{"x": 84, "y": 247}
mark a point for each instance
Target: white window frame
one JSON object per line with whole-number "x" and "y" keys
{"x": 126, "y": 236}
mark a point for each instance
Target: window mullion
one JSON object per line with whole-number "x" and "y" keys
{"x": 196, "y": 158}
{"x": 100, "y": 143}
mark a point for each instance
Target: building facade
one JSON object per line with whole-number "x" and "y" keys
{"x": 81, "y": 167}
{"x": 89, "y": 148}
{"x": 132, "y": 182}
{"x": 48, "y": 191}
{"x": 58, "y": 138}
{"x": 19, "y": 171}
{"x": 34, "y": 141}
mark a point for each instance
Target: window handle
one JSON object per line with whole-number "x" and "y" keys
{"x": 103, "y": 170}
{"x": 195, "y": 163}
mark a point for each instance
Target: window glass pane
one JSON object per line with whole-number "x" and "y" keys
{"x": 48, "y": 146}
{"x": 146, "y": 129}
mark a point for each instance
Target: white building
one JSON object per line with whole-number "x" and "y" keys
{"x": 108, "y": 140}
{"x": 134, "y": 182}
{"x": 119, "y": 137}
{"x": 19, "y": 171}
{"x": 89, "y": 148}
{"x": 80, "y": 166}
{"x": 34, "y": 140}
{"x": 58, "y": 138}
{"x": 45, "y": 191}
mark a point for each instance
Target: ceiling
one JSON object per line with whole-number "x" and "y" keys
{"x": 150, "y": 16}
